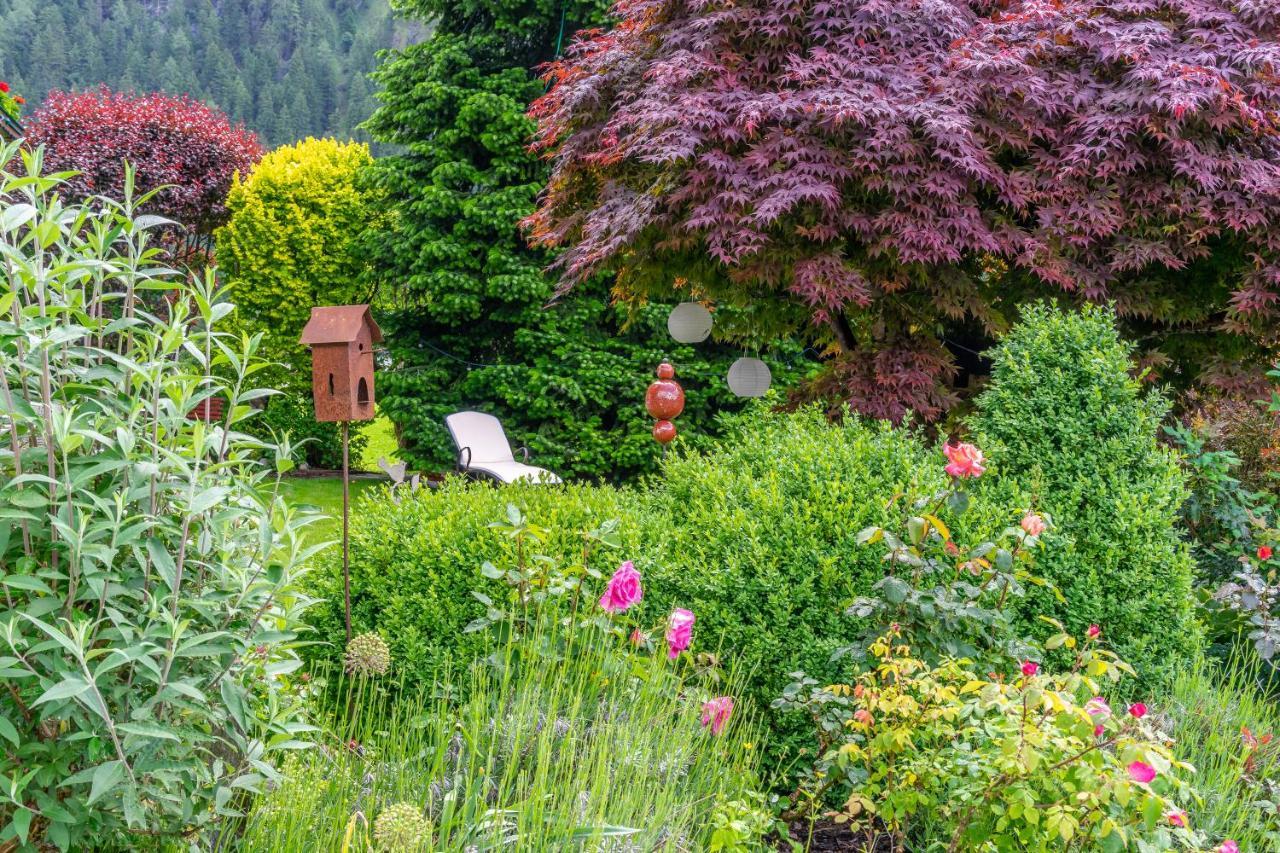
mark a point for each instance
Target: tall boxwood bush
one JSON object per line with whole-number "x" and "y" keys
{"x": 1064, "y": 418}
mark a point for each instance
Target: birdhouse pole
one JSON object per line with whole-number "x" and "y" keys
{"x": 346, "y": 526}
{"x": 341, "y": 338}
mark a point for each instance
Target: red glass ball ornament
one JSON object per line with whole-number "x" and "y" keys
{"x": 665, "y": 398}
{"x": 664, "y": 431}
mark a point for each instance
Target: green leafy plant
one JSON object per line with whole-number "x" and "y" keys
{"x": 949, "y": 601}
{"x": 924, "y": 754}
{"x": 148, "y": 567}
{"x": 1066, "y": 423}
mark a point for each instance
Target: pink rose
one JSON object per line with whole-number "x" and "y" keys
{"x": 716, "y": 713}
{"x": 679, "y": 632}
{"x": 1228, "y": 846}
{"x": 1033, "y": 524}
{"x": 963, "y": 460}
{"x": 1140, "y": 771}
{"x": 1137, "y": 710}
{"x": 1177, "y": 817}
{"x": 1098, "y": 730}
{"x": 1030, "y": 668}
{"x": 623, "y": 590}
{"x": 1098, "y": 708}
{"x": 1094, "y": 632}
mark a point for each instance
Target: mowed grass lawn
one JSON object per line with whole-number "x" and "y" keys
{"x": 325, "y": 494}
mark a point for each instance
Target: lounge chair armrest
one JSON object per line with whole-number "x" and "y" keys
{"x": 524, "y": 451}
{"x": 463, "y": 465}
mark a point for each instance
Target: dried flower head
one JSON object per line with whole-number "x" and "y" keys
{"x": 401, "y": 826}
{"x": 367, "y": 654}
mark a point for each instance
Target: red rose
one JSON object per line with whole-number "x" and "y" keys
{"x": 1264, "y": 553}
{"x": 4, "y": 87}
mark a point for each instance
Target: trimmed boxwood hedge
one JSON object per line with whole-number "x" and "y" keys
{"x": 1064, "y": 419}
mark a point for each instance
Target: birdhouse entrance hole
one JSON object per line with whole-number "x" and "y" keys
{"x": 362, "y": 392}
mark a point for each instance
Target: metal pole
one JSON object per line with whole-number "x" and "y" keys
{"x": 346, "y": 536}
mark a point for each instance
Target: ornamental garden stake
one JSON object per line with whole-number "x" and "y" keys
{"x": 341, "y": 338}
{"x": 664, "y": 400}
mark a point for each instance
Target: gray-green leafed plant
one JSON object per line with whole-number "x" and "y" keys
{"x": 148, "y": 566}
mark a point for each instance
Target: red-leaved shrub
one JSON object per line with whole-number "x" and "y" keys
{"x": 172, "y": 141}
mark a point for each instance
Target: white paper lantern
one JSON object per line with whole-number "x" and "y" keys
{"x": 689, "y": 322}
{"x": 749, "y": 377}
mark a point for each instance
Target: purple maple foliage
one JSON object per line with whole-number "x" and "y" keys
{"x": 884, "y": 168}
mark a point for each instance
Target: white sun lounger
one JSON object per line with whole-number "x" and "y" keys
{"x": 483, "y": 449}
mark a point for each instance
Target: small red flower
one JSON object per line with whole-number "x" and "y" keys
{"x": 1137, "y": 710}
{"x": 4, "y": 87}
{"x": 1030, "y": 668}
{"x": 1265, "y": 552}
{"x": 1093, "y": 632}
{"x": 18, "y": 99}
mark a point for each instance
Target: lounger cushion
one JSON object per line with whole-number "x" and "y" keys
{"x": 510, "y": 472}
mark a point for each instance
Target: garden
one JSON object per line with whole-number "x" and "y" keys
{"x": 960, "y": 532}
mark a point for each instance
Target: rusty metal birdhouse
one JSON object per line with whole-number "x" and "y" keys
{"x": 341, "y": 338}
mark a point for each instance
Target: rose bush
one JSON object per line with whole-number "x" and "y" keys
{"x": 1035, "y": 760}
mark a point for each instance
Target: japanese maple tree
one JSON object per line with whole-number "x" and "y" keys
{"x": 191, "y": 149}
{"x": 897, "y": 174}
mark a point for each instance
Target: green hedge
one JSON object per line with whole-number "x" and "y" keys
{"x": 1064, "y": 419}
{"x": 756, "y": 537}
{"x": 415, "y": 564}
{"x": 760, "y": 538}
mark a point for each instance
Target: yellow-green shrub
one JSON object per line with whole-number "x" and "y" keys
{"x": 290, "y": 244}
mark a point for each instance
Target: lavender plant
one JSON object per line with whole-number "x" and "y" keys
{"x": 148, "y": 607}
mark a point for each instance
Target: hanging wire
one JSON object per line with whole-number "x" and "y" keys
{"x": 470, "y": 365}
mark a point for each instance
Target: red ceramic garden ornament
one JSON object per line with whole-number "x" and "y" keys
{"x": 665, "y": 397}
{"x": 664, "y": 400}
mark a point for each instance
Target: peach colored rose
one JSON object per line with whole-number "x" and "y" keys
{"x": 963, "y": 460}
{"x": 1033, "y": 524}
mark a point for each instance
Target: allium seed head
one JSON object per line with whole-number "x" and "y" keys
{"x": 367, "y": 654}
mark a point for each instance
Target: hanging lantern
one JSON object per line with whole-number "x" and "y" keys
{"x": 749, "y": 377}
{"x": 689, "y": 322}
{"x": 664, "y": 400}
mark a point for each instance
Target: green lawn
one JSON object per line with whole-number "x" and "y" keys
{"x": 325, "y": 493}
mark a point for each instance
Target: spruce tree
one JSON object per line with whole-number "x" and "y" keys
{"x": 463, "y": 292}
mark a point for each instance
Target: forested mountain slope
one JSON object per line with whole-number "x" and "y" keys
{"x": 287, "y": 68}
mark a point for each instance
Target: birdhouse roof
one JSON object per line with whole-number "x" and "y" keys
{"x": 339, "y": 324}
